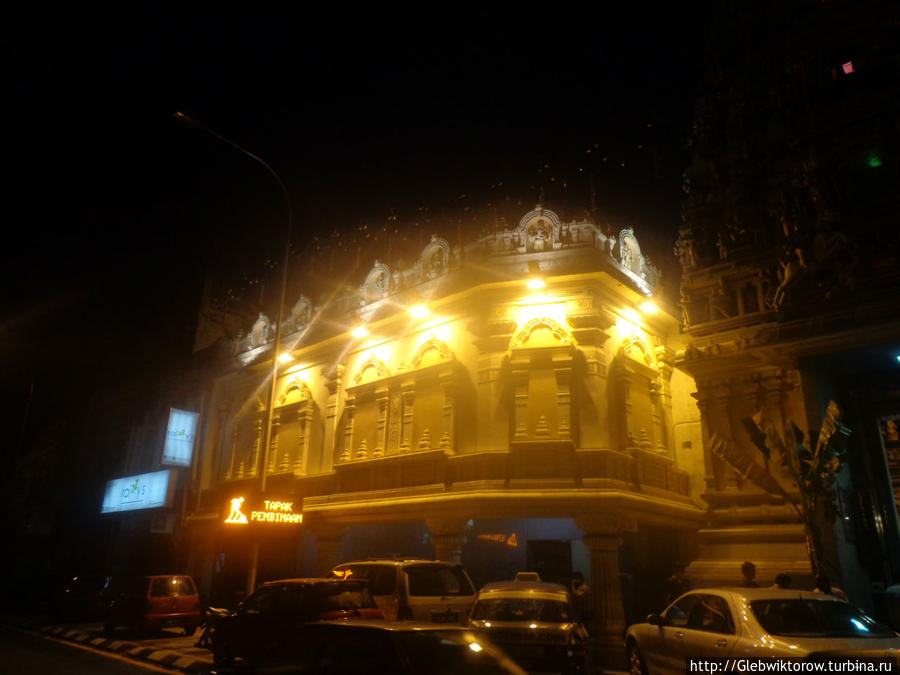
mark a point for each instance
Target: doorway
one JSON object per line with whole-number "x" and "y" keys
{"x": 551, "y": 559}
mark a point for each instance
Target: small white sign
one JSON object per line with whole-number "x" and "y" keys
{"x": 144, "y": 491}
{"x": 178, "y": 449}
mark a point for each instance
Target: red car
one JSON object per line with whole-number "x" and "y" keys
{"x": 153, "y": 602}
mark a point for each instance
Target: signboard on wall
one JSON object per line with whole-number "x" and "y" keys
{"x": 144, "y": 491}
{"x": 268, "y": 512}
{"x": 178, "y": 449}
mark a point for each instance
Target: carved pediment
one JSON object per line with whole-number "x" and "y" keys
{"x": 435, "y": 258}
{"x": 372, "y": 369}
{"x": 430, "y": 352}
{"x": 541, "y": 332}
{"x": 378, "y": 283}
{"x": 539, "y": 230}
{"x": 635, "y": 348}
{"x": 295, "y": 391}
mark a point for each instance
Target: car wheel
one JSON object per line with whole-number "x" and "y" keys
{"x": 635, "y": 661}
{"x": 222, "y": 654}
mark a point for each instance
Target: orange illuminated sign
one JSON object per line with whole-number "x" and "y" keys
{"x": 510, "y": 540}
{"x": 270, "y": 511}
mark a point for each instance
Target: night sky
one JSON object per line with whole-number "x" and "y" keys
{"x": 114, "y": 213}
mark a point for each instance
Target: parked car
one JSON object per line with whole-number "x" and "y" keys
{"x": 380, "y": 647}
{"x": 421, "y": 590}
{"x": 152, "y": 602}
{"x": 536, "y": 623}
{"x": 276, "y": 607}
{"x": 753, "y": 622}
{"x": 81, "y": 599}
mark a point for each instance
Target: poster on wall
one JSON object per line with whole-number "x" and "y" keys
{"x": 143, "y": 491}
{"x": 178, "y": 449}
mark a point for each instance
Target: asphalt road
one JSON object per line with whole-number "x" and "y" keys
{"x": 23, "y": 653}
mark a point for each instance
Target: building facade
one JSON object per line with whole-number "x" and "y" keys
{"x": 790, "y": 290}
{"x": 510, "y": 403}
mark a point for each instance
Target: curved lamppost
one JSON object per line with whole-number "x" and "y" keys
{"x": 191, "y": 123}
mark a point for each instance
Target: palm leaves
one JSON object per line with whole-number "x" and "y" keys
{"x": 814, "y": 471}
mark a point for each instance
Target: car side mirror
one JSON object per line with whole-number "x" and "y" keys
{"x": 655, "y": 620}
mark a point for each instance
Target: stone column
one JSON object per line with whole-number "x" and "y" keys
{"x": 702, "y": 397}
{"x": 253, "y": 469}
{"x": 448, "y": 537}
{"x": 273, "y": 442}
{"x": 720, "y": 411}
{"x": 349, "y": 404}
{"x": 407, "y": 401}
{"x": 303, "y": 441}
{"x": 602, "y": 537}
{"x": 519, "y": 366}
{"x": 448, "y": 437}
{"x": 382, "y": 398}
{"x": 563, "y": 372}
{"x": 335, "y": 389}
{"x": 625, "y": 436}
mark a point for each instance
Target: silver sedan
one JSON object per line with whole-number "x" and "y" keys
{"x": 753, "y": 622}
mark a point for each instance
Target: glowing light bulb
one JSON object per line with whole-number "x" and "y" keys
{"x": 360, "y": 332}
{"x": 536, "y": 284}
{"x": 419, "y": 312}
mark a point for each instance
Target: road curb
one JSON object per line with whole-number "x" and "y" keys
{"x": 165, "y": 657}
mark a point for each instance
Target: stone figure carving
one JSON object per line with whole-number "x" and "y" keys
{"x": 627, "y": 254}
{"x": 301, "y": 313}
{"x": 834, "y": 257}
{"x": 685, "y": 248}
{"x": 260, "y": 331}
{"x": 791, "y": 270}
{"x": 539, "y": 237}
{"x": 435, "y": 265}
{"x": 721, "y": 303}
{"x": 685, "y": 307}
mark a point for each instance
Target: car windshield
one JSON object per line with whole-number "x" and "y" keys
{"x": 345, "y": 598}
{"x": 522, "y": 609}
{"x": 798, "y": 617}
{"x": 162, "y": 587}
{"x": 300, "y": 599}
{"x": 447, "y": 652}
{"x": 437, "y": 580}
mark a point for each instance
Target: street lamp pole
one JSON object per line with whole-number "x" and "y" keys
{"x": 263, "y": 459}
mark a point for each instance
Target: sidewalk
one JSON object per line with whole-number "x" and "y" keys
{"x": 170, "y": 649}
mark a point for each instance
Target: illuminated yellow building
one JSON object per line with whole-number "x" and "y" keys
{"x": 511, "y": 403}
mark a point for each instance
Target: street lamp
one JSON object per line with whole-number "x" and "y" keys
{"x": 191, "y": 123}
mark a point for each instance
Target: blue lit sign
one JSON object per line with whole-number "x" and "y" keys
{"x": 179, "y": 446}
